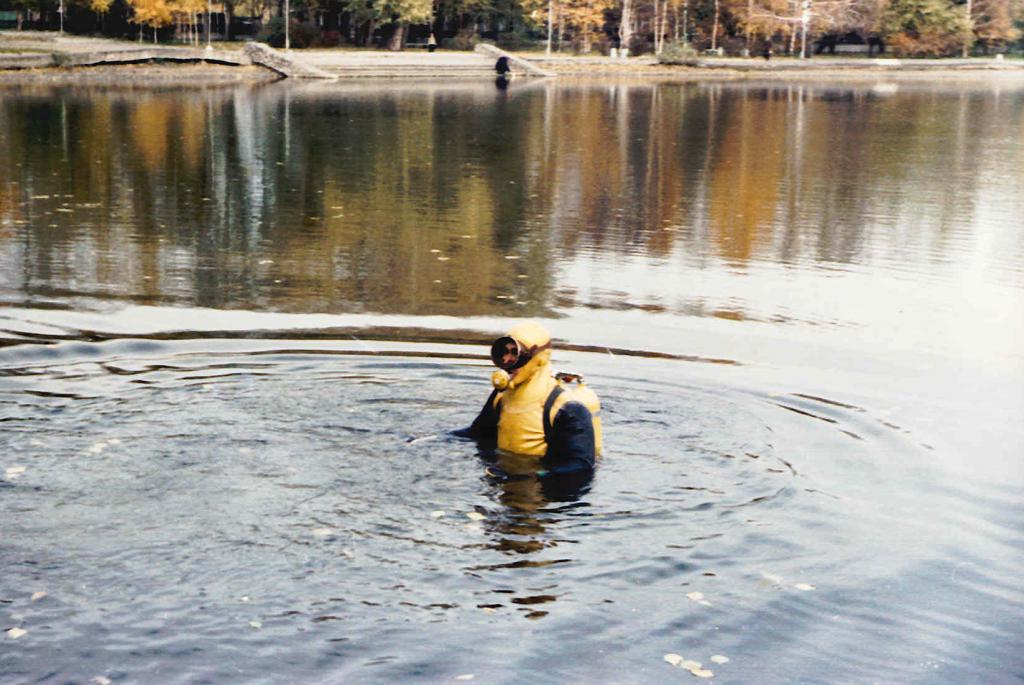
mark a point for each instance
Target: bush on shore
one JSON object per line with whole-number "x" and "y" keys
{"x": 678, "y": 52}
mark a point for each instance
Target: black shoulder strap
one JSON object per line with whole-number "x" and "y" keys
{"x": 548, "y": 403}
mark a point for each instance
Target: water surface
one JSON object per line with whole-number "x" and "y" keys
{"x": 237, "y": 323}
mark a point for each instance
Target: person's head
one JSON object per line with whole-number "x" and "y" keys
{"x": 522, "y": 351}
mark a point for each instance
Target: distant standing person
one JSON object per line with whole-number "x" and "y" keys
{"x": 766, "y": 49}
{"x": 431, "y": 43}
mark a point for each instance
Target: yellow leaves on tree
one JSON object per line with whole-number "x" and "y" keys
{"x": 155, "y": 13}
{"x": 993, "y": 21}
{"x": 585, "y": 17}
{"x": 578, "y": 21}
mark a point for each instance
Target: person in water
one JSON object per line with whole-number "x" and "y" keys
{"x": 533, "y": 412}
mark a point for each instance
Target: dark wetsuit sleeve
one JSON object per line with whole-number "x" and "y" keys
{"x": 572, "y": 446}
{"x": 485, "y": 425}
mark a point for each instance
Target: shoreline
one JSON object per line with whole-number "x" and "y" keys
{"x": 140, "y": 75}
{"x": 204, "y": 75}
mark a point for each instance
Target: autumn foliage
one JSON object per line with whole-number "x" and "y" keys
{"x": 906, "y": 27}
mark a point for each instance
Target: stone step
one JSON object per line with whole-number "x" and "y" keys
{"x": 408, "y": 73}
{"x": 417, "y": 69}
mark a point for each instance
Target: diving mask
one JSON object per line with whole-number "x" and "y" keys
{"x": 507, "y": 354}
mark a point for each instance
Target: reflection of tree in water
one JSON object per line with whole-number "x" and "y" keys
{"x": 410, "y": 201}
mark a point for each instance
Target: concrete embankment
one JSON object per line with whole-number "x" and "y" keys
{"x": 48, "y": 52}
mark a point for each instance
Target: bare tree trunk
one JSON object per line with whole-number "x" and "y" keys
{"x": 750, "y": 13}
{"x": 665, "y": 22}
{"x": 714, "y": 29}
{"x": 626, "y": 25}
{"x": 397, "y": 41}
{"x": 229, "y": 14}
{"x": 805, "y": 19}
{"x": 657, "y": 26}
{"x": 970, "y": 32}
{"x": 654, "y": 25}
{"x": 551, "y": 12}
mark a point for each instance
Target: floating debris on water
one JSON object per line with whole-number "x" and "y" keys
{"x": 13, "y": 472}
{"x": 323, "y": 532}
{"x": 465, "y": 676}
{"x": 256, "y": 624}
{"x": 804, "y": 586}
{"x": 36, "y": 596}
{"x": 437, "y": 514}
{"x": 719, "y": 659}
{"x": 15, "y": 633}
{"x": 694, "y": 667}
{"x": 100, "y": 680}
{"x": 698, "y": 597}
{"x": 475, "y": 516}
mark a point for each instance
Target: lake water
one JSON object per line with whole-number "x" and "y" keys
{"x": 236, "y": 323}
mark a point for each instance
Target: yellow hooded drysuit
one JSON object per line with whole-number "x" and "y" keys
{"x": 532, "y": 412}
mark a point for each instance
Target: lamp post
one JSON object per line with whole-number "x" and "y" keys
{"x": 60, "y": 11}
{"x": 209, "y": 13}
{"x": 287, "y": 21}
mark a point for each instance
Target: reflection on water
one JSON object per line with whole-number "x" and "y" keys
{"x": 469, "y": 200}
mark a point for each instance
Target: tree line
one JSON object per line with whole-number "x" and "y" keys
{"x": 900, "y": 27}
